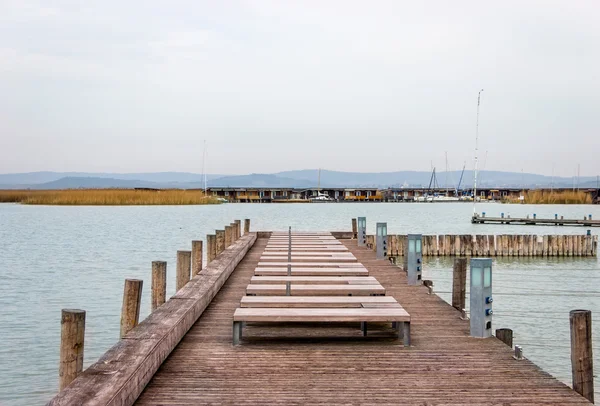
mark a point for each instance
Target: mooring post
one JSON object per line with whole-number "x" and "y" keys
{"x": 246, "y": 226}
{"x": 505, "y": 335}
{"x": 582, "y": 367}
{"x": 184, "y": 260}
{"x": 211, "y": 248}
{"x": 238, "y": 229}
{"x": 159, "y": 284}
{"x": 220, "y": 239}
{"x": 72, "y": 336}
{"x": 196, "y": 257}
{"x": 354, "y": 229}
{"x": 459, "y": 281}
{"x": 233, "y": 232}
{"x": 132, "y": 300}
{"x": 228, "y": 236}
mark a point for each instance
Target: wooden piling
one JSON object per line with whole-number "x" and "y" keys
{"x": 184, "y": 261}
{"x": 196, "y": 257}
{"x": 491, "y": 245}
{"x": 582, "y": 367}
{"x": 520, "y": 246}
{"x": 211, "y": 248}
{"x": 246, "y": 226}
{"x": 228, "y": 236}
{"x": 560, "y": 246}
{"x": 159, "y": 284}
{"x": 545, "y": 246}
{"x": 354, "y": 229}
{"x": 72, "y": 337}
{"x": 505, "y": 335}
{"x": 532, "y": 245}
{"x": 220, "y": 239}
{"x": 459, "y": 280}
{"x": 132, "y": 300}
{"x": 238, "y": 229}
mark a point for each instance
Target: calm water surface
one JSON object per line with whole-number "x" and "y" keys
{"x": 77, "y": 257}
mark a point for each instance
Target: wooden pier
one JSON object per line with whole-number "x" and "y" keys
{"x": 534, "y": 221}
{"x": 183, "y": 353}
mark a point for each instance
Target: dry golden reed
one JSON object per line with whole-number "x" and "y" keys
{"x": 560, "y": 197}
{"x": 106, "y": 197}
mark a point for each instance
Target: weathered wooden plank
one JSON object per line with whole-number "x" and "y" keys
{"x": 309, "y": 280}
{"x": 314, "y": 301}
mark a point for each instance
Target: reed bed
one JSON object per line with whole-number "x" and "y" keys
{"x": 562, "y": 197}
{"x": 106, "y": 197}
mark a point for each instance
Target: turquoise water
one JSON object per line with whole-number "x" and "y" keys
{"x": 78, "y": 257}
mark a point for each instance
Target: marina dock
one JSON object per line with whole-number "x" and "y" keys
{"x": 184, "y": 352}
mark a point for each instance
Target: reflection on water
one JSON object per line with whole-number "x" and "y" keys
{"x": 78, "y": 257}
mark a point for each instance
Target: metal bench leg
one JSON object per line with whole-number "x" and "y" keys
{"x": 363, "y": 327}
{"x": 406, "y": 333}
{"x": 237, "y": 332}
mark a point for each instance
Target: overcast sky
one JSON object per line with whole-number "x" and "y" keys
{"x": 368, "y": 86}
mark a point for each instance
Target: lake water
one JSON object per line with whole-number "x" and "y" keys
{"x": 78, "y": 257}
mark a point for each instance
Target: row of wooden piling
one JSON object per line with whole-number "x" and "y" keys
{"x": 582, "y": 369}
{"x": 505, "y": 245}
{"x": 189, "y": 264}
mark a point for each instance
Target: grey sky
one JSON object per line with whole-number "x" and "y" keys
{"x": 275, "y": 85}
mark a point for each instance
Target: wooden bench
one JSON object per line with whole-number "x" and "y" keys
{"x": 332, "y": 249}
{"x": 318, "y": 301}
{"x": 319, "y": 280}
{"x": 296, "y": 258}
{"x": 311, "y": 264}
{"x": 316, "y": 290}
{"x": 396, "y": 315}
{"x": 282, "y": 271}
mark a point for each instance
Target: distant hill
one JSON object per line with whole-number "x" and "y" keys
{"x": 32, "y": 178}
{"x": 260, "y": 180}
{"x": 297, "y": 179}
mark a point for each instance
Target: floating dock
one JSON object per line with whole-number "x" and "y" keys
{"x": 183, "y": 352}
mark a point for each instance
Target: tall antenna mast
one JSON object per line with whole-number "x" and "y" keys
{"x": 476, "y": 151}
{"x": 204, "y": 167}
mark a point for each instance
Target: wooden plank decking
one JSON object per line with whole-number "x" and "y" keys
{"x": 313, "y": 364}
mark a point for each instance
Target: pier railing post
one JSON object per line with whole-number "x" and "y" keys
{"x": 459, "y": 281}
{"x": 582, "y": 367}
{"x": 246, "y": 226}
{"x": 132, "y": 300}
{"x": 238, "y": 229}
{"x": 196, "y": 257}
{"x": 354, "y": 229}
{"x": 184, "y": 261}
{"x": 211, "y": 248}
{"x": 220, "y": 241}
{"x": 228, "y": 236}
{"x": 159, "y": 284}
{"x": 505, "y": 335}
{"x": 72, "y": 336}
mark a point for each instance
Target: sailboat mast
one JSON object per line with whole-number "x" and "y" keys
{"x": 446, "y": 180}
{"x": 319, "y": 183}
{"x": 204, "y": 167}
{"x": 476, "y": 151}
